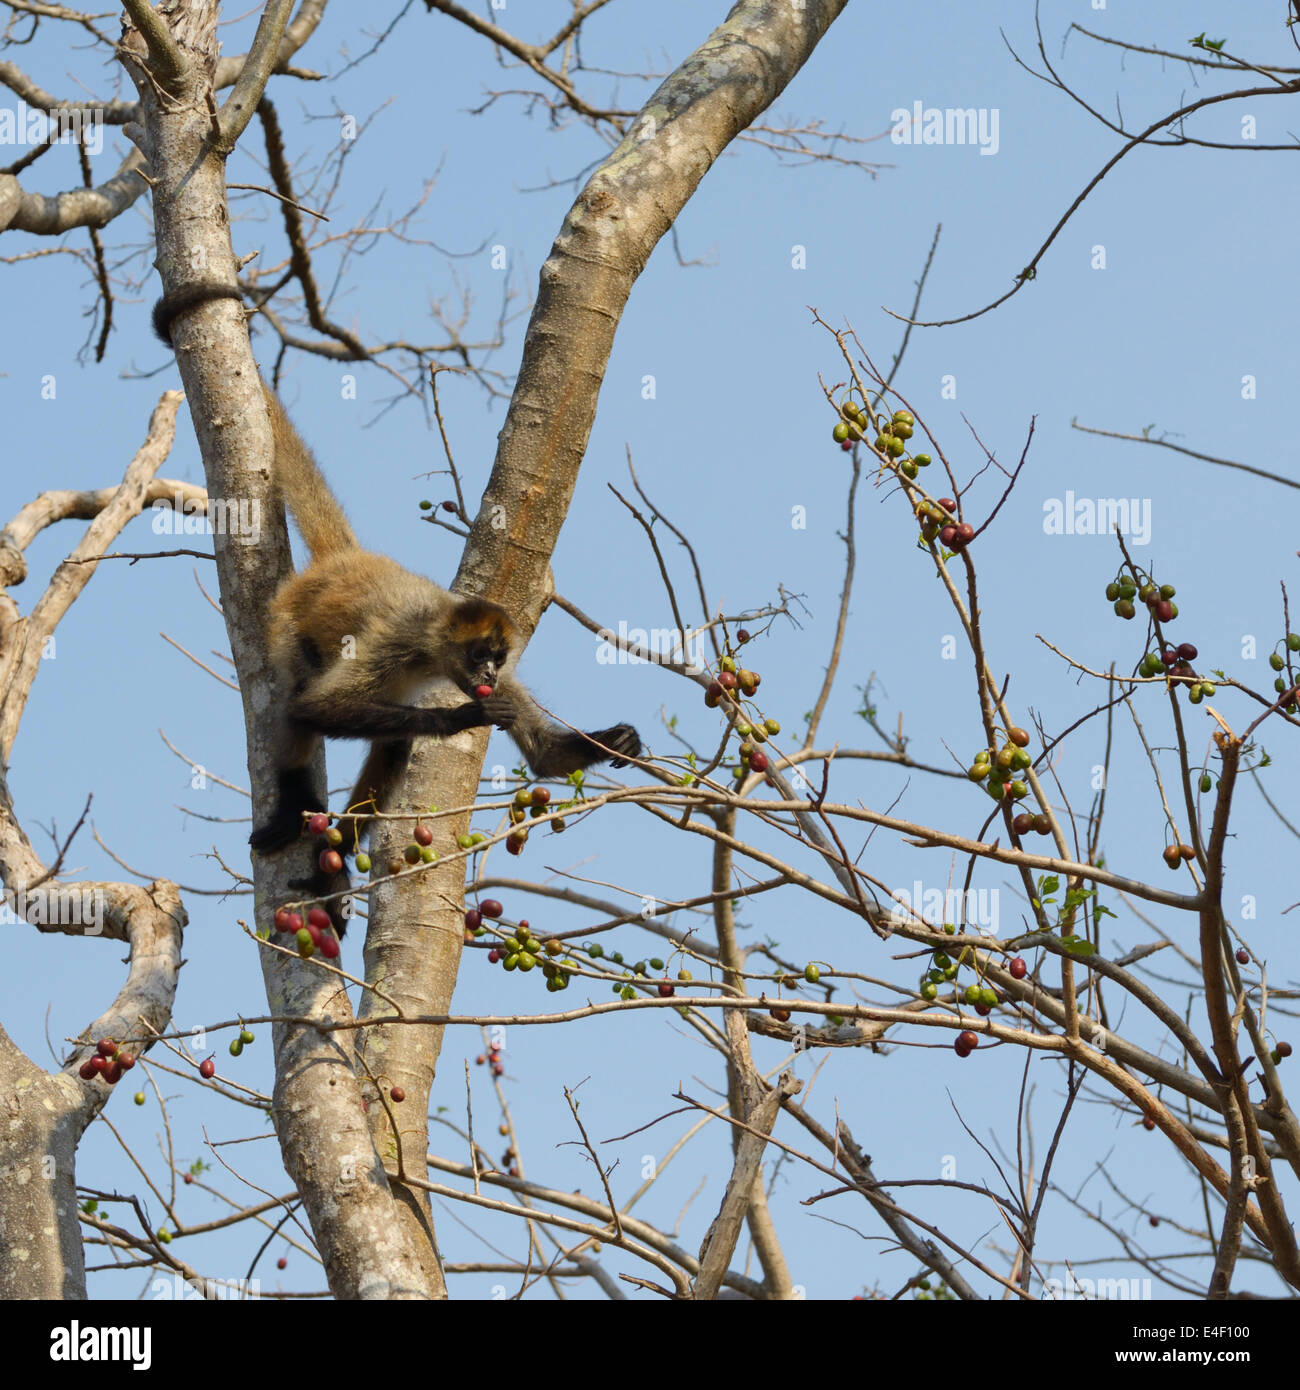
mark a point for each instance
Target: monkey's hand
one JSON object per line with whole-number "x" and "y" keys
{"x": 500, "y": 710}
{"x": 624, "y": 740}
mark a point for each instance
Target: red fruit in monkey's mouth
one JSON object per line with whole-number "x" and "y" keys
{"x": 481, "y": 692}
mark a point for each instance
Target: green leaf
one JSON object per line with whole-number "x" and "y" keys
{"x": 1077, "y": 946}
{"x": 1101, "y": 910}
{"x": 1049, "y": 884}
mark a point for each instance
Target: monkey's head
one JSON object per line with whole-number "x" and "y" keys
{"x": 481, "y": 636}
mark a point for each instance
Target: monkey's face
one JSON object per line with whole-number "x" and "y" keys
{"x": 481, "y": 661}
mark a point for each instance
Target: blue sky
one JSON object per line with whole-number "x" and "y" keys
{"x": 1164, "y": 292}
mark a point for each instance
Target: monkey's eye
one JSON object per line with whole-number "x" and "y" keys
{"x": 478, "y": 655}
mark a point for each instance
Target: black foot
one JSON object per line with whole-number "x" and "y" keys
{"x": 295, "y": 794}
{"x": 624, "y": 740}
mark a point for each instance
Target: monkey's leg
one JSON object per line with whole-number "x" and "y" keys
{"x": 296, "y": 791}
{"x": 380, "y": 772}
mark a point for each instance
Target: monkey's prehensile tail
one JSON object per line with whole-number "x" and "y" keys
{"x": 314, "y": 507}
{"x": 320, "y": 519}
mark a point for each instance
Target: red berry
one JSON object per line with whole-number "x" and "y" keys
{"x": 846, "y": 444}
{"x": 965, "y": 533}
{"x": 423, "y": 835}
{"x": 189, "y": 1178}
{"x": 449, "y": 506}
{"x": 331, "y": 861}
{"x": 1187, "y": 651}
{"x": 541, "y": 796}
{"x": 397, "y": 1094}
{"x": 88, "y": 1071}
{"x": 125, "y": 1061}
{"x": 1284, "y": 1049}
{"x": 1023, "y": 823}
{"x": 515, "y": 843}
{"x": 665, "y": 989}
{"x": 948, "y": 534}
{"x": 1017, "y": 968}
{"x": 479, "y": 1060}
{"x": 1164, "y": 611}
{"x": 317, "y": 936}
{"x": 282, "y": 1263}
{"x": 493, "y": 956}
{"x": 727, "y": 680}
{"x": 498, "y": 1069}
{"x": 282, "y": 915}
{"x": 113, "y": 1073}
{"x": 968, "y": 1040}
{"x": 489, "y": 907}
{"x": 294, "y": 923}
{"x": 106, "y": 1047}
{"x": 961, "y": 1049}
{"x": 318, "y": 917}
{"x": 948, "y": 504}
{"x": 781, "y": 1015}
{"x": 481, "y": 692}
{"x": 473, "y": 918}
{"x": 1243, "y": 956}
{"x": 207, "y": 1069}
{"x": 742, "y": 636}
{"x": 319, "y": 823}
{"x": 329, "y": 945}
{"x": 758, "y": 762}
{"x": 1148, "y": 1122}
{"x": 983, "y": 1010}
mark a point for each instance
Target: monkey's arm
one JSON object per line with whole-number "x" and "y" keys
{"x": 335, "y": 716}
{"x": 550, "y": 749}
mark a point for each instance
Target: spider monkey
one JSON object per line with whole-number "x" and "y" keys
{"x": 355, "y": 637}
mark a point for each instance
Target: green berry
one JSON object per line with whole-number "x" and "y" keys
{"x": 929, "y": 990}
{"x": 1112, "y": 591}
{"x": 236, "y": 1047}
{"x": 595, "y": 950}
{"x": 922, "y": 460}
{"x": 840, "y": 433}
{"x": 811, "y": 973}
{"x": 1293, "y": 641}
{"x": 363, "y": 863}
{"x": 1206, "y": 782}
{"x": 1167, "y": 591}
{"x": 246, "y": 1037}
{"x": 1275, "y": 661}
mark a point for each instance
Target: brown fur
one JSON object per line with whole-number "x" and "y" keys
{"x": 354, "y": 639}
